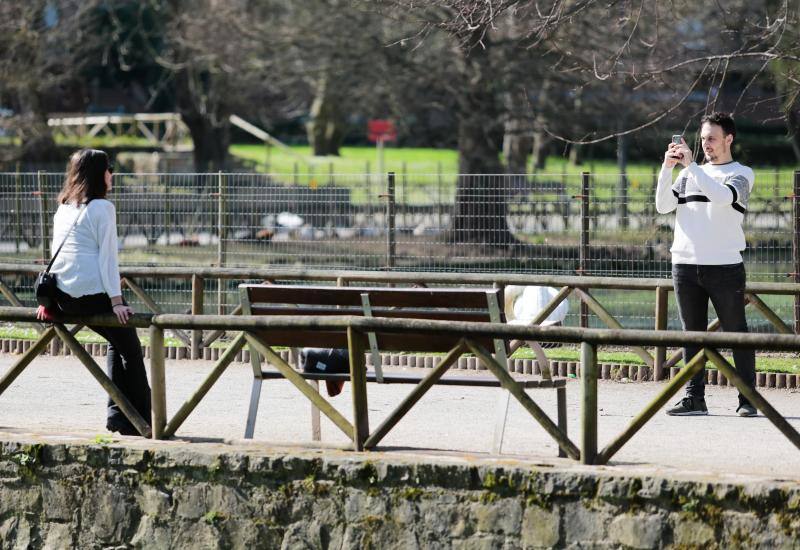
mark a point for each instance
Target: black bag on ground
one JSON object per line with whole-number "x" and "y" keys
{"x": 325, "y": 360}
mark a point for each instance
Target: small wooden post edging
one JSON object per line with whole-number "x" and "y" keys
{"x": 652, "y": 408}
{"x": 190, "y": 404}
{"x": 588, "y": 403}
{"x": 111, "y": 389}
{"x": 508, "y": 383}
{"x": 415, "y": 395}
{"x": 158, "y": 381}
{"x": 754, "y": 397}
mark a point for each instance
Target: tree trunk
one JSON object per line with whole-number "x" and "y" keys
{"x": 517, "y": 145}
{"x": 793, "y": 124}
{"x": 325, "y": 128}
{"x": 575, "y": 151}
{"x": 209, "y": 127}
{"x": 480, "y": 209}
{"x": 210, "y": 141}
{"x": 31, "y": 126}
{"x": 540, "y": 137}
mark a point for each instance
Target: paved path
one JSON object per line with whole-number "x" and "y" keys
{"x": 57, "y": 396}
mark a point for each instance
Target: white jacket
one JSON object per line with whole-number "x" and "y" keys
{"x": 87, "y": 263}
{"x": 711, "y": 201}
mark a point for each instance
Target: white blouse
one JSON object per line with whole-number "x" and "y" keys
{"x": 87, "y": 263}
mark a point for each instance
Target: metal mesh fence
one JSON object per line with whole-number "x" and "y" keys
{"x": 410, "y": 222}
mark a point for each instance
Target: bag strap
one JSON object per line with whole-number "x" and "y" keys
{"x": 53, "y": 259}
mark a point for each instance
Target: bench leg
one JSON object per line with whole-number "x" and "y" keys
{"x": 316, "y": 430}
{"x": 561, "y": 404}
{"x": 252, "y": 412}
{"x": 500, "y": 421}
{"x": 255, "y": 394}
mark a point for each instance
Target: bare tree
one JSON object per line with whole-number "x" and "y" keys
{"x": 213, "y": 55}
{"x": 45, "y": 45}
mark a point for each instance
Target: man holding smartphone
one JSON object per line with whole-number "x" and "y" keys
{"x": 710, "y": 202}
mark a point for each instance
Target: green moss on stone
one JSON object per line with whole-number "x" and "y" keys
{"x": 214, "y": 518}
{"x": 28, "y": 459}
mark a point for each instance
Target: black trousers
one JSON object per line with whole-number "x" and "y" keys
{"x": 724, "y": 285}
{"x": 124, "y": 361}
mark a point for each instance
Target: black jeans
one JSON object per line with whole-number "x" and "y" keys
{"x": 124, "y": 361}
{"x": 724, "y": 285}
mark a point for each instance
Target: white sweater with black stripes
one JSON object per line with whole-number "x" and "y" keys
{"x": 711, "y": 201}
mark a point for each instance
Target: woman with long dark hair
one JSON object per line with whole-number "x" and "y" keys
{"x": 87, "y": 276}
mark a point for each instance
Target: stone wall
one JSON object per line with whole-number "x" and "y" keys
{"x": 204, "y": 495}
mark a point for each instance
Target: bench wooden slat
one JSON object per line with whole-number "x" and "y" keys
{"x": 402, "y": 378}
{"x": 386, "y": 341}
{"x": 436, "y": 315}
{"x": 378, "y": 297}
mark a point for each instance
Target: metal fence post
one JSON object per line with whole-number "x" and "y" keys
{"x": 42, "y": 214}
{"x": 167, "y": 212}
{"x": 584, "y": 246}
{"x": 17, "y": 210}
{"x": 588, "y": 403}
{"x": 390, "y": 222}
{"x": 796, "y": 245}
{"x": 439, "y": 202}
{"x": 222, "y": 240}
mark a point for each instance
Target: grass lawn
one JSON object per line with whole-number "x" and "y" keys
{"x": 298, "y": 165}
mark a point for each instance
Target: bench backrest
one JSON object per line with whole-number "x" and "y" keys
{"x": 448, "y": 304}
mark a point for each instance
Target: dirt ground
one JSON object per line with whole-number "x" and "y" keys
{"x": 58, "y": 396}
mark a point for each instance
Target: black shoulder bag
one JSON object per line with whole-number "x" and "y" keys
{"x": 45, "y": 286}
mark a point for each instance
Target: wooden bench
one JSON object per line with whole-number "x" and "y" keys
{"x": 449, "y": 304}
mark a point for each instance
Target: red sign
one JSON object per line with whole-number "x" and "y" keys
{"x": 381, "y": 130}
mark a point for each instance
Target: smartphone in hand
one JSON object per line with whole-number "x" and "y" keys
{"x": 677, "y": 139}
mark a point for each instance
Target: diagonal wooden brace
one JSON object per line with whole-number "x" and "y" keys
{"x": 508, "y": 383}
{"x": 415, "y": 395}
{"x": 674, "y": 385}
{"x": 754, "y": 397}
{"x": 153, "y": 307}
{"x": 17, "y": 368}
{"x": 190, "y": 404}
{"x": 611, "y": 322}
{"x": 768, "y": 313}
{"x": 112, "y": 390}
{"x": 299, "y": 382}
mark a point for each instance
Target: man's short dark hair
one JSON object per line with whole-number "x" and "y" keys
{"x": 723, "y": 120}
